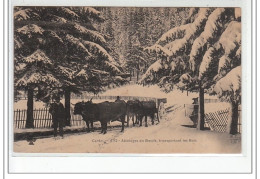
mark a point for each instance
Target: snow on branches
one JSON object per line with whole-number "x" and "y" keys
{"x": 93, "y": 35}
{"x": 78, "y": 44}
{"x": 33, "y": 77}
{"x": 158, "y": 49}
{"x": 30, "y": 30}
{"x": 38, "y": 56}
{"x": 228, "y": 88}
{"x": 149, "y": 75}
{"x": 211, "y": 39}
{"x": 214, "y": 25}
{"x": 230, "y": 40}
{"x": 98, "y": 49}
{"x": 25, "y": 14}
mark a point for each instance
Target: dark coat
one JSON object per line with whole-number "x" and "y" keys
{"x": 57, "y": 111}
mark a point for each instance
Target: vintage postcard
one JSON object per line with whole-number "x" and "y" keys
{"x": 127, "y": 80}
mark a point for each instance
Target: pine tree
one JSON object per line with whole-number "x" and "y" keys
{"x": 66, "y": 39}
{"x": 198, "y": 53}
{"x": 131, "y": 29}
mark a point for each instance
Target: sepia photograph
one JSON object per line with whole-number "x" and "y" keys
{"x": 127, "y": 80}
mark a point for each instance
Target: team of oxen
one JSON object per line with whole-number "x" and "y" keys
{"x": 116, "y": 111}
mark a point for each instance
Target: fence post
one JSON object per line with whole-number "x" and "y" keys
{"x": 184, "y": 110}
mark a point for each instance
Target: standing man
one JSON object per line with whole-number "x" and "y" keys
{"x": 195, "y": 112}
{"x": 117, "y": 99}
{"x": 57, "y": 111}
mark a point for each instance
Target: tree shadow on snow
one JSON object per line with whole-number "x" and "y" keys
{"x": 192, "y": 126}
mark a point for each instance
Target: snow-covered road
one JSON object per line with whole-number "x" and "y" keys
{"x": 171, "y": 135}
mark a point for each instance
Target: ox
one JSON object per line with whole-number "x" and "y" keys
{"x": 103, "y": 112}
{"x": 79, "y": 108}
{"x": 133, "y": 109}
{"x": 148, "y": 109}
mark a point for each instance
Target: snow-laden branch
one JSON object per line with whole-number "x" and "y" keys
{"x": 66, "y": 72}
{"x": 229, "y": 87}
{"x": 25, "y": 14}
{"x": 69, "y": 12}
{"x": 96, "y": 48}
{"x": 30, "y": 30}
{"x": 94, "y": 35}
{"x": 231, "y": 37}
{"x": 186, "y": 35}
{"x": 90, "y": 11}
{"x": 75, "y": 41}
{"x": 58, "y": 19}
{"x": 159, "y": 50}
{"x": 83, "y": 73}
{"x": 155, "y": 67}
{"x": 37, "y": 56}
{"x": 173, "y": 34}
{"x": 38, "y": 78}
{"x": 206, "y": 62}
{"x": 224, "y": 63}
{"x": 113, "y": 67}
{"x": 214, "y": 23}
{"x": 18, "y": 43}
{"x": 191, "y": 16}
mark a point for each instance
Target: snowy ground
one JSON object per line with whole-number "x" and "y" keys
{"x": 171, "y": 135}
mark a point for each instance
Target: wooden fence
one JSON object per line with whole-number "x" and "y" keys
{"x": 218, "y": 121}
{"x": 42, "y": 118}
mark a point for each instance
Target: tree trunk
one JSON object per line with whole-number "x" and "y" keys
{"x": 67, "y": 107}
{"x": 234, "y": 118}
{"x": 201, "y": 120}
{"x": 130, "y": 75}
{"x": 137, "y": 74}
{"x": 29, "y": 119}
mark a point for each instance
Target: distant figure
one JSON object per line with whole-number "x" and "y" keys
{"x": 117, "y": 99}
{"x": 195, "y": 112}
{"x": 57, "y": 111}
